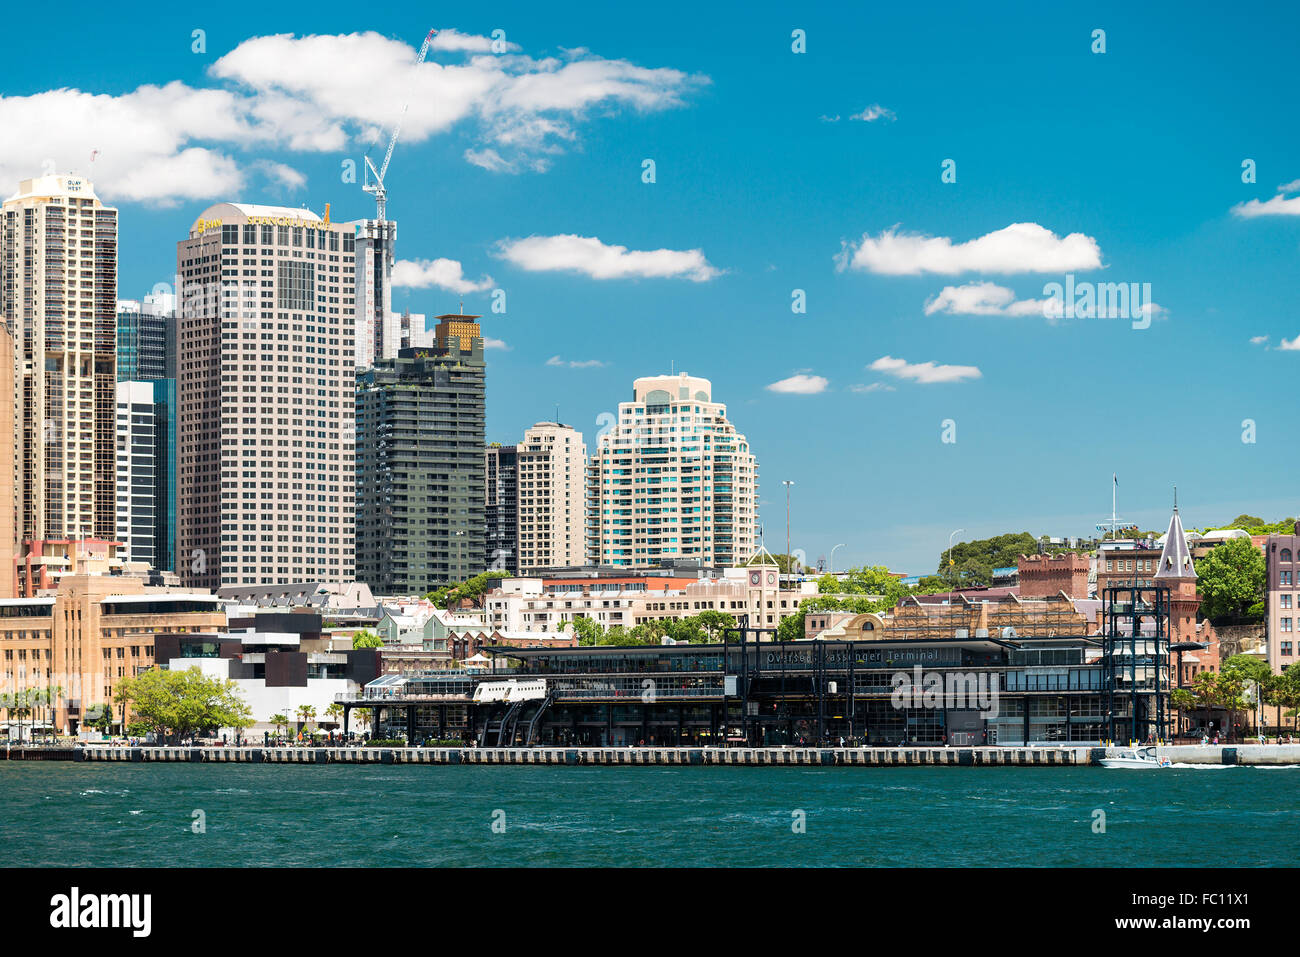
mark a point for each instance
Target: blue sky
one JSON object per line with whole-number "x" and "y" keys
{"x": 1127, "y": 163}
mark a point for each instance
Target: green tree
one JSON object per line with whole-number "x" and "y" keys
{"x": 1253, "y": 674}
{"x": 972, "y": 563}
{"x": 714, "y": 623}
{"x": 588, "y": 630}
{"x": 279, "y": 720}
{"x": 1246, "y": 522}
{"x": 686, "y": 629}
{"x": 1231, "y": 583}
{"x": 367, "y": 639}
{"x": 306, "y": 713}
{"x": 472, "y": 590}
{"x": 1286, "y": 693}
{"x": 179, "y": 704}
{"x": 1182, "y": 699}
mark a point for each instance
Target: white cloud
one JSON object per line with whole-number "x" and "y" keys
{"x": 800, "y": 384}
{"x": 1279, "y": 205}
{"x": 574, "y": 364}
{"x": 591, "y": 257}
{"x": 443, "y": 273}
{"x": 520, "y": 104}
{"x": 926, "y": 373}
{"x": 1291, "y": 345}
{"x": 1258, "y": 340}
{"x": 1020, "y": 247}
{"x": 982, "y": 299}
{"x": 282, "y": 174}
{"x": 174, "y": 142}
{"x": 830, "y": 119}
{"x": 450, "y": 40}
{"x": 872, "y": 387}
{"x": 490, "y": 343}
{"x": 872, "y": 113}
{"x": 141, "y": 141}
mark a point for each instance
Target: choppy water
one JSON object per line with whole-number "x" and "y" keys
{"x": 260, "y": 815}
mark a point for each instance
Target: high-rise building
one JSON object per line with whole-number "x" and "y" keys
{"x": 420, "y": 483}
{"x": 501, "y": 508}
{"x": 378, "y": 334}
{"x": 146, "y": 334}
{"x": 412, "y": 331}
{"x": 552, "y": 505}
{"x": 672, "y": 479}
{"x": 1282, "y": 587}
{"x": 164, "y": 412}
{"x": 265, "y": 385}
{"x": 146, "y": 355}
{"x": 58, "y": 296}
{"x": 137, "y": 471}
{"x": 8, "y": 466}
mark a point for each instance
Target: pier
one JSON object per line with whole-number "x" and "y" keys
{"x": 1045, "y": 756}
{"x": 747, "y": 757}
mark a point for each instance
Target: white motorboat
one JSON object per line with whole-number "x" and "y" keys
{"x": 1135, "y": 758}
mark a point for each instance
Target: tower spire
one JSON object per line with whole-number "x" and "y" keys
{"x": 1176, "y": 557}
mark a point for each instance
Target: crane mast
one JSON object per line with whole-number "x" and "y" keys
{"x": 377, "y": 187}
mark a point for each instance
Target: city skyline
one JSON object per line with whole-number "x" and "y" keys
{"x": 778, "y": 172}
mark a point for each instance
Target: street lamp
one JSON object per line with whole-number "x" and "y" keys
{"x": 840, "y": 545}
{"x": 789, "y": 569}
{"x": 955, "y": 532}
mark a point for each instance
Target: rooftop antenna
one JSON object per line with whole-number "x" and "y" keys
{"x": 1114, "y": 524}
{"x": 1175, "y": 498}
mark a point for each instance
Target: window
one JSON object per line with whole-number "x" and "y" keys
{"x": 1286, "y": 601}
{"x": 1286, "y": 625}
{"x": 1284, "y": 555}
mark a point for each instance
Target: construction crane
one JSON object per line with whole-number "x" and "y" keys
{"x": 377, "y": 187}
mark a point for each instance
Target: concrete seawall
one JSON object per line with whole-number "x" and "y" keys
{"x": 749, "y": 757}
{"x": 1247, "y": 754}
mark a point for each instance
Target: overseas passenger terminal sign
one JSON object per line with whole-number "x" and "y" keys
{"x": 886, "y": 657}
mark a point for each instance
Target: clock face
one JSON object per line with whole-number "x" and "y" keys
{"x": 755, "y": 578}
{"x": 771, "y": 578}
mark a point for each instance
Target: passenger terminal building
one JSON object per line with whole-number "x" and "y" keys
{"x": 1024, "y": 674}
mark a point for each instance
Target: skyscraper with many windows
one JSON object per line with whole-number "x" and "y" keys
{"x": 146, "y": 333}
{"x": 137, "y": 471}
{"x": 672, "y": 479}
{"x": 552, "y": 506}
{"x": 420, "y": 483}
{"x": 58, "y": 295}
{"x": 146, "y": 357}
{"x": 501, "y": 508}
{"x": 265, "y": 385}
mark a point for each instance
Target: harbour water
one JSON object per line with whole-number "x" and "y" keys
{"x": 142, "y": 815}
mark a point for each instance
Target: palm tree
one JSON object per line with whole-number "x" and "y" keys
{"x": 307, "y": 713}
{"x": 362, "y": 715}
{"x": 280, "y": 719}
{"x": 52, "y": 695}
{"x": 22, "y": 704}
{"x": 334, "y": 712}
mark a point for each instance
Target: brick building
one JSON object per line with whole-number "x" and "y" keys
{"x": 1042, "y": 575}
